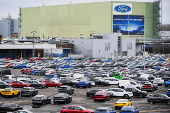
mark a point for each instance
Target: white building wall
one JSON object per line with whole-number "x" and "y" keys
{"x": 129, "y": 45}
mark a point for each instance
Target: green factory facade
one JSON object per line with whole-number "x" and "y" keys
{"x": 129, "y": 18}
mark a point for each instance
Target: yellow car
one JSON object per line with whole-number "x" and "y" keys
{"x": 122, "y": 102}
{"x": 10, "y": 92}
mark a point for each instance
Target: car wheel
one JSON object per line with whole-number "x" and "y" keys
{"x": 22, "y": 95}
{"x": 40, "y": 86}
{"x": 74, "y": 85}
{"x": 168, "y": 86}
{"x": 151, "y": 101}
{"x": 55, "y": 102}
{"x": 13, "y": 95}
{"x": 43, "y": 103}
{"x": 168, "y": 102}
{"x": 126, "y": 96}
{"x": 23, "y": 86}
{"x": 109, "y": 99}
{"x": 94, "y": 100}
{"x": 18, "y": 94}
{"x": 104, "y": 99}
{"x": 141, "y": 95}
{"x": 65, "y": 102}
{"x": 31, "y": 94}
{"x": 56, "y": 86}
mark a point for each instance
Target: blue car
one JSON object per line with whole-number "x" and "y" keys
{"x": 129, "y": 109}
{"x": 66, "y": 66}
{"x": 168, "y": 93}
{"x": 19, "y": 66}
{"x": 167, "y": 84}
{"x": 104, "y": 110}
{"x": 84, "y": 83}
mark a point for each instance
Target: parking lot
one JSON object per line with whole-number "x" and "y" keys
{"x": 79, "y": 98}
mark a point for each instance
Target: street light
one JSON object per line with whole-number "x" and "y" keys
{"x": 33, "y": 53}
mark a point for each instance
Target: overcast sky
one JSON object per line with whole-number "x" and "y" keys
{"x": 12, "y": 6}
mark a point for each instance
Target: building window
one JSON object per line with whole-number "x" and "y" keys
{"x": 99, "y": 51}
{"x": 82, "y": 42}
{"x": 124, "y": 53}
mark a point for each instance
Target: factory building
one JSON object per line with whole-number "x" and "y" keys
{"x": 132, "y": 19}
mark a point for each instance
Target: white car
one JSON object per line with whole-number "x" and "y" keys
{"x": 2, "y": 65}
{"x": 118, "y": 92}
{"x": 164, "y": 68}
{"x": 56, "y": 80}
{"x": 112, "y": 80}
{"x": 158, "y": 81}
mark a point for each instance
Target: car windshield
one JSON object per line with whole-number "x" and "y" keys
{"x": 126, "y": 108}
{"x": 83, "y": 108}
{"x": 165, "y": 95}
{"x": 37, "y": 98}
{"x": 26, "y": 88}
{"x": 121, "y": 100}
{"x": 7, "y": 89}
{"x": 6, "y": 105}
{"x": 102, "y": 110}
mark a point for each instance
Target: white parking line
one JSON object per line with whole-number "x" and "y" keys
{"x": 153, "y": 106}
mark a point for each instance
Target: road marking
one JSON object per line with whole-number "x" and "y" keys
{"x": 154, "y": 110}
{"x": 154, "y": 106}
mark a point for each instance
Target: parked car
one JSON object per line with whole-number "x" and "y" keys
{"x": 10, "y": 107}
{"x": 148, "y": 87}
{"x": 104, "y": 110}
{"x": 112, "y": 80}
{"x": 168, "y": 93}
{"x": 69, "y": 82}
{"x": 41, "y": 99}
{"x": 129, "y": 109}
{"x": 75, "y": 109}
{"x": 29, "y": 91}
{"x": 50, "y": 83}
{"x": 167, "y": 84}
{"x": 66, "y": 89}
{"x": 4, "y": 84}
{"x": 91, "y": 92}
{"x": 118, "y": 92}
{"x": 84, "y": 83}
{"x": 37, "y": 84}
{"x": 158, "y": 81}
{"x": 19, "y": 66}
{"x": 158, "y": 98}
{"x": 19, "y": 84}
{"x": 122, "y": 102}
{"x": 137, "y": 92}
{"x": 10, "y": 92}
{"x": 62, "y": 97}
{"x": 101, "y": 95}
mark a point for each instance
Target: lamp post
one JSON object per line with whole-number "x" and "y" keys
{"x": 33, "y": 53}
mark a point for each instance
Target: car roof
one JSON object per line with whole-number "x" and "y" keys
{"x": 39, "y": 95}
{"x": 127, "y": 106}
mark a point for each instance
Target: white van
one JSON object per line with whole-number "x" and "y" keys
{"x": 8, "y": 77}
{"x": 129, "y": 84}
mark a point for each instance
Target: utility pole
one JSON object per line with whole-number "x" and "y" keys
{"x": 33, "y": 53}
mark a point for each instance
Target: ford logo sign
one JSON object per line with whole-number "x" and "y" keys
{"x": 122, "y": 8}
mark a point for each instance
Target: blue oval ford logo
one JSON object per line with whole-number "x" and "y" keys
{"x": 122, "y": 8}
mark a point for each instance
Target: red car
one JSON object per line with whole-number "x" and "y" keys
{"x": 29, "y": 71}
{"x": 50, "y": 83}
{"x": 23, "y": 70}
{"x": 148, "y": 87}
{"x": 10, "y": 65}
{"x": 19, "y": 84}
{"x": 75, "y": 109}
{"x": 101, "y": 95}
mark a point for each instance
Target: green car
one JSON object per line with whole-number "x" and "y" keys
{"x": 117, "y": 75}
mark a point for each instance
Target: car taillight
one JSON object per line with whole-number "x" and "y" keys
{"x": 32, "y": 99}
{"x": 40, "y": 99}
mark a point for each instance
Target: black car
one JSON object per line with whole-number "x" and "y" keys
{"x": 158, "y": 98}
{"x": 10, "y": 107}
{"x": 62, "y": 97}
{"x": 101, "y": 82}
{"x": 41, "y": 99}
{"x": 34, "y": 83}
{"x": 91, "y": 92}
{"x": 137, "y": 92}
{"x": 4, "y": 85}
{"x": 66, "y": 89}
{"x": 69, "y": 82}
{"x": 29, "y": 91}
